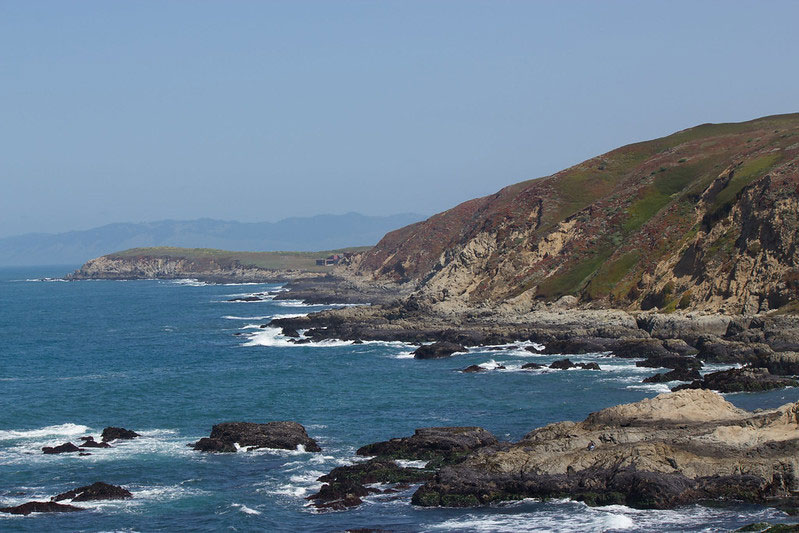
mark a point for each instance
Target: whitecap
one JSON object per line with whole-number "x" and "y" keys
{"x": 231, "y": 317}
{"x": 189, "y": 282}
{"x": 61, "y": 430}
{"x": 244, "y": 509}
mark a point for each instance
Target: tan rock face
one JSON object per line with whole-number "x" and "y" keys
{"x": 690, "y": 444}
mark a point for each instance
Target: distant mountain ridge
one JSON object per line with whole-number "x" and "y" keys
{"x": 321, "y": 232}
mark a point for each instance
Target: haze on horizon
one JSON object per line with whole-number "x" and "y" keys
{"x": 258, "y": 111}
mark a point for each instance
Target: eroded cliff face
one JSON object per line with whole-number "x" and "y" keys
{"x": 156, "y": 267}
{"x": 703, "y": 219}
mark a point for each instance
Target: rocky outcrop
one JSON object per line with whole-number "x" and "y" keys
{"x": 40, "y": 507}
{"x": 95, "y": 491}
{"x": 281, "y": 435}
{"x": 445, "y": 443}
{"x": 345, "y": 486}
{"x": 67, "y": 447}
{"x": 678, "y": 374}
{"x": 115, "y": 433}
{"x": 437, "y": 350}
{"x": 675, "y": 449}
{"x": 740, "y": 380}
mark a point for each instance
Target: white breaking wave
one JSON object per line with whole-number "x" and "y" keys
{"x": 244, "y": 509}
{"x": 231, "y": 317}
{"x": 189, "y": 282}
{"x": 62, "y": 430}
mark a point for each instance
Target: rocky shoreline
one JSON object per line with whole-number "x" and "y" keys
{"x": 675, "y": 449}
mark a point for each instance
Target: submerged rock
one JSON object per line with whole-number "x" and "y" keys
{"x": 473, "y": 368}
{"x": 437, "y": 350}
{"x": 675, "y": 449}
{"x": 40, "y": 507}
{"x": 114, "y": 433}
{"x": 95, "y": 491}
{"x": 246, "y": 299}
{"x": 532, "y": 366}
{"x": 283, "y": 435}
{"x": 67, "y": 447}
{"x": 562, "y": 364}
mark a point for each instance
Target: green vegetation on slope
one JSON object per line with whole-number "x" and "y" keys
{"x": 266, "y": 260}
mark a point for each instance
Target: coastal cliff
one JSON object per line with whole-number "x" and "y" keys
{"x": 197, "y": 263}
{"x": 704, "y": 219}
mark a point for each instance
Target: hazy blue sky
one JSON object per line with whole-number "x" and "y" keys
{"x": 136, "y": 111}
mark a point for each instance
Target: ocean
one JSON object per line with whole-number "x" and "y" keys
{"x": 169, "y": 359}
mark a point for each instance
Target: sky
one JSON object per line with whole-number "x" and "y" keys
{"x": 257, "y": 111}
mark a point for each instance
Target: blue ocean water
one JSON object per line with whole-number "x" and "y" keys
{"x": 163, "y": 358}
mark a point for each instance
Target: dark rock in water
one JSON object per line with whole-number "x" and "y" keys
{"x": 95, "y": 491}
{"x": 300, "y": 341}
{"x": 562, "y": 364}
{"x": 290, "y": 332}
{"x": 531, "y": 366}
{"x": 670, "y": 361}
{"x": 744, "y": 379}
{"x": 89, "y": 442}
{"x": 432, "y": 443}
{"x": 344, "y": 485}
{"x": 340, "y": 495}
{"x": 589, "y": 366}
{"x": 246, "y": 299}
{"x": 438, "y": 350}
{"x": 572, "y": 346}
{"x": 113, "y": 433}
{"x": 83, "y": 454}
{"x": 206, "y": 444}
{"x": 40, "y": 507}
{"x": 357, "y": 341}
{"x": 678, "y": 374}
{"x": 473, "y": 368}
{"x": 283, "y": 435}
{"x": 67, "y": 447}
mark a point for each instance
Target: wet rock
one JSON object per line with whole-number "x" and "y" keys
{"x": 588, "y": 366}
{"x": 115, "y": 433}
{"x": 572, "y": 346}
{"x": 437, "y": 350}
{"x": 89, "y": 442}
{"x": 285, "y": 435}
{"x": 206, "y": 444}
{"x": 246, "y": 299}
{"x": 40, "y": 507}
{"x": 670, "y": 361}
{"x": 95, "y": 491}
{"x": 67, "y": 447}
{"x": 562, "y": 364}
{"x": 432, "y": 443}
{"x": 678, "y": 374}
{"x": 344, "y": 486}
{"x": 679, "y": 346}
{"x": 532, "y": 366}
{"x": 744, "y": 379}
{"x": 473, "y": 369}
{"x": 290, "y": 332}
{"x": 676, "y": 449}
